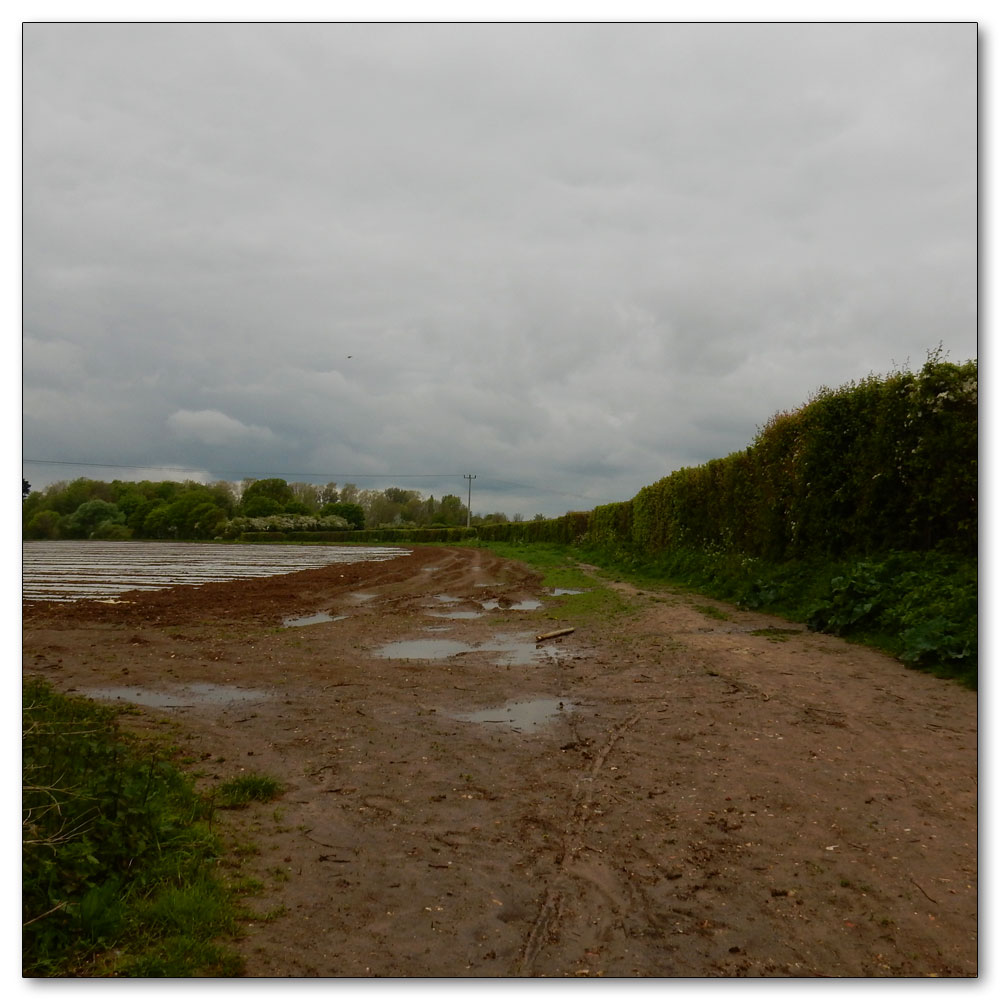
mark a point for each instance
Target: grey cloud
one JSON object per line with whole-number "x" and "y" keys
{"x": 215, "y": 428}
{"x": 567, "y": 256}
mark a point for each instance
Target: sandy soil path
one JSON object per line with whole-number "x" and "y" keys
{"x": 672, "y": 793}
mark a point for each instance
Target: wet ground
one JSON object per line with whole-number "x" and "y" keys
{"x": 666, "y": 793}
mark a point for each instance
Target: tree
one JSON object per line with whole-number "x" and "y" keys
{"x": 451, "y": 511}
{"x": 67, "y": 497}
{"x": 271, "y": 489}
{"x": 353, "y": 513}
{"x": 206, "y": 520}
{"x": 327, "y": 494}
{"x": 25, "y": 487}
{"x": 43, "y": 524}
{"x": 156, "y": 523}
{"x": 260, "y": 506}
{"x": 89, "y": 516}
{"x": 307, "y": 497}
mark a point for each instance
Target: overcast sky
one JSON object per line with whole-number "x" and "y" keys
{"x": 567, "y": 259}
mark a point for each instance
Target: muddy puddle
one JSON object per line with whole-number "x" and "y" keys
{"x": 190, "y": 696}
{"x": 494, "y": 604}
{"x": 521, "y": 716}
{"x": 502, "y": 605}
{"x": 316, "y": 619}
{"x": 564, "y": 591}
{"x": 510, "y": 650}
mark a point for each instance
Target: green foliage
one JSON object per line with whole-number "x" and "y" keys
{"x": 918, "y": 606}
{"x": 42, "y": 524}
{"x": 113, "y": 836}
{"x": 353, "y": 513}
{"x": 276, "y": 490}
{"x": 119, "y": 510}
{"x": 875, "y": 466}
{"x": 563, "y": 530}
{"x": 247, "y": 788}
{"x": 89, "y": 517}
{"x": 260, "y": 507}
{"x": 559, "y": 567}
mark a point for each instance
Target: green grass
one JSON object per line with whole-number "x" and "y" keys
{"x": 247, "y": 788}
{"x": 559, "y": 567}
{"x": 120, "y": 865}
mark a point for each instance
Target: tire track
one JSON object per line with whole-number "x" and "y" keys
{"x": 550, "y": 912}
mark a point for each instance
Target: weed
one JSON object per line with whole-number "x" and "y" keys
{"x": 246, "y": 788}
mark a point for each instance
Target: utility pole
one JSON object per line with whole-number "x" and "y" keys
{"x": 468, "y": 519}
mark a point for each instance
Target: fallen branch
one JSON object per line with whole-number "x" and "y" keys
{"x": 555, "y": 634}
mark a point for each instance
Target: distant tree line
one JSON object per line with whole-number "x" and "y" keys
{"x": 119, "y": 510}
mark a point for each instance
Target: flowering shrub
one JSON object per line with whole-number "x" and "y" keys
{"x": 283, "y": 522}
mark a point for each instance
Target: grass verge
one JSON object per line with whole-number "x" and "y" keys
{"x": 560, "y": 569}
{"x": 921, "y": 607}
{"x": 119, "y": 861}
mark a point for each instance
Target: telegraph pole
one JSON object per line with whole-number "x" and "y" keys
{"x": 468, "y": 519}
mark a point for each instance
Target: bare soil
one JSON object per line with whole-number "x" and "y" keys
{"x": 710, "y": 799}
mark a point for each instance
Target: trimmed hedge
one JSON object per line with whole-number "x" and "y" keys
{"x": 887, "y": 464}
{"x": 565, "y": 530}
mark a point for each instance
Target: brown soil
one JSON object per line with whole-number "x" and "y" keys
{"x": 708, "y": 802}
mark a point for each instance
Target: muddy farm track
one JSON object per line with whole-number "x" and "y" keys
{"x": 668, "y": 793}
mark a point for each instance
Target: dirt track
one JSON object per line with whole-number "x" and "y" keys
{"x": 706, "y": 802}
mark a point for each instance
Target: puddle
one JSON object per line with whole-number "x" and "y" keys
{"x": 316, "y": 619}
{"x": 187, "y": 697}
{"x": 424, "y": 649}
{"x": 528, "y": 605}
{"x": 521, "y": 715}
{"x": 563, "y": 591}
{"x": 455, "y": 614}
{"x": 363, "y": 597}
{"x": 445, "y": 599}
{"x": 510, "y": 649}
